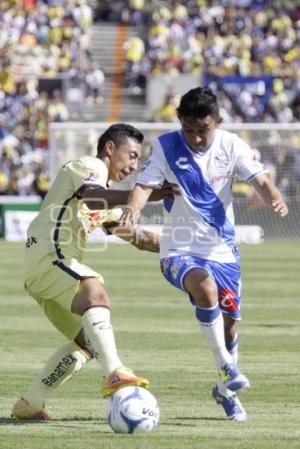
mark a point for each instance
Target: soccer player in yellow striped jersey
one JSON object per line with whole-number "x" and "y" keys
{"x": 71, "y": 294}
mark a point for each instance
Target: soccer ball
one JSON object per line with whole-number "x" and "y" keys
{"x": 132, "y": 410}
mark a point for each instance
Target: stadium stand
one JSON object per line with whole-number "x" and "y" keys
{"x": 56, "y": 65}
{"x": 43, "y": 44}
{"x": 247, "y": 50}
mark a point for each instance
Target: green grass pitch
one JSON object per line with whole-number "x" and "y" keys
{"x": 158, "y": 336}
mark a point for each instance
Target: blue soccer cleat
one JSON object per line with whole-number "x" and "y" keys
{"x": 231, "y": 404}
{"x": 232, "y": 378}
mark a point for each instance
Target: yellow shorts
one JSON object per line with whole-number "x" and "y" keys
{"x": 53, "y": 286}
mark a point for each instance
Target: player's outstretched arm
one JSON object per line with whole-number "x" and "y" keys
{"x": 270, "y": 194}
{"x": 136, "y": 202}
{"x": 98, "y": 198}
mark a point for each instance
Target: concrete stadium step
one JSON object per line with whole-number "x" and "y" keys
{"x": 103, "y": 41}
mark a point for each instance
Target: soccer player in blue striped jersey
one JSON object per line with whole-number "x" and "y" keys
{"x": 198, "y": 249}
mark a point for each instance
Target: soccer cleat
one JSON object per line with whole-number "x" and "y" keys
{"x": 122, "y": 377}
{"x": 22, "y": 410}
{"x": 232, "y": 378}
{"x": 231, "y": 405}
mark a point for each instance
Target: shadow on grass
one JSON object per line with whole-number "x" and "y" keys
{"x": 18, "y": 422}
{"x": 275, "y": 325}
{"x": 183, "y": 421}
{"x": 82, "y": 418}
{"x": 201, "y": 418}
{"x": 178, "y": 421}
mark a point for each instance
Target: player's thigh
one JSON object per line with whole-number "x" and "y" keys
{"x": 188, "y": 273}
{"x": 54, "y": 289}
{"x": 201, "y": 286}
{"x": 214, "y": 281}
{"x": 54, "y": 279}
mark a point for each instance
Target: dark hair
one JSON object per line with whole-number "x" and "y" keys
{"x": 199, "y": 102}
{"x": 118, "y": 133}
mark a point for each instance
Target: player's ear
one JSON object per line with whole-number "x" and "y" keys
{"x": 219, "y": 120}
{"x": 109, "y": 147}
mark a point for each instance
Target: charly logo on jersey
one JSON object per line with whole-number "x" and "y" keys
{"x": 182, "y": 163}
{"x": 221, "y": 160}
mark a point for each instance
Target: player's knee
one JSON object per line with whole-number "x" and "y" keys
{"x": 206, "y": 293}
{"x": 101, "y": 298}
{"x": 81, "y": 305}
{"x": 91, "y": 294}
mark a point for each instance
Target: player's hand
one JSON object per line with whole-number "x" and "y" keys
{"x": 129, "y": 217}
{"x": 280, "y": 207}
{"x": 167, "y": 191}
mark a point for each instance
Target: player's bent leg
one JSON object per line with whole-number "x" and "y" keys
{"x": 92, "y": 302}
{"x": 204, "y": 292}
{"x": 230, "y": 374}
{"x": 62, "y": 365}
{"x": 231, "y": 337}
{"x": 202, "y": 288}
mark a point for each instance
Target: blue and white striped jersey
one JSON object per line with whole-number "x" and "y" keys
{"x": 201, "y": 220}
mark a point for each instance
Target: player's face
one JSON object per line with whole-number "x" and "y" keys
{"x": 198, "y": 132}
{"x": 124, "y": 159}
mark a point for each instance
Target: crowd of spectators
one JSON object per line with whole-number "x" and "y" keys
{"x": 237, "y": 39}
{"x": 221, "y": 38}
{"x": 39, "y": 40}
{"x": 45, "y": 39}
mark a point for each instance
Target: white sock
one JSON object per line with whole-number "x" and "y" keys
{"x": 212, "y": 325}
{"x": 233, "y": 348}
{"x": 96, "y": 324}
{"x": 66, "y": 361}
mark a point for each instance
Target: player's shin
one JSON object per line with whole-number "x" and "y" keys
{"x": 212, "y": 325}
{"x": 99, "y": 331}
{"x": 233, "y": 349}
{"x": 62, "y": 365}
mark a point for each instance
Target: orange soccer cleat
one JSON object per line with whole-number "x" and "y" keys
{"x": 122, "y": 377}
